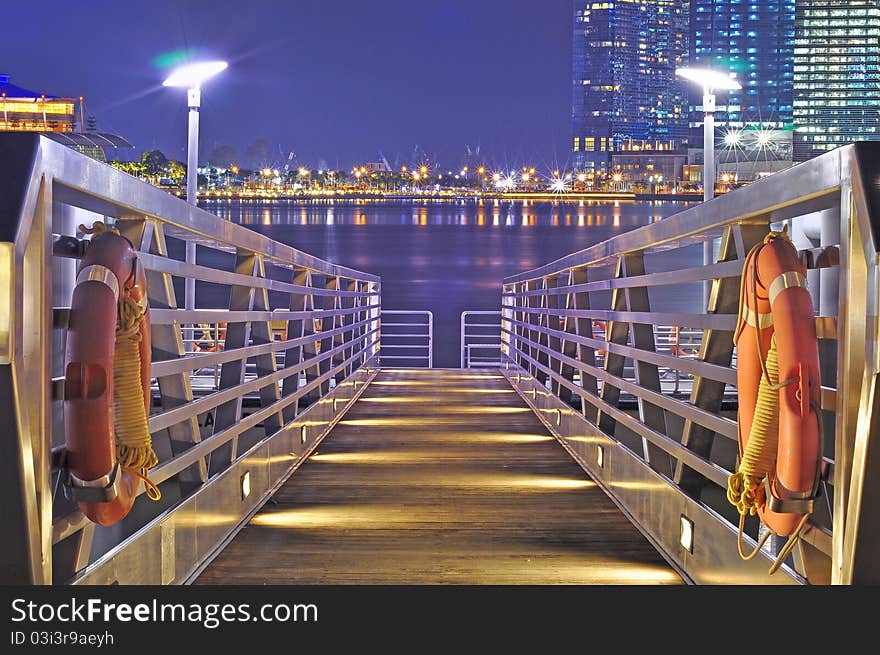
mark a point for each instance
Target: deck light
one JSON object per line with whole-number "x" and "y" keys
{"x": 245, "y": 485}
{"x": 600, "y": 456}
{"x": 686, "y": 538}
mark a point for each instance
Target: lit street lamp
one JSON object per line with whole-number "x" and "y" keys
{"x": 710, "y": 80}
{"x": 191, "y": 78}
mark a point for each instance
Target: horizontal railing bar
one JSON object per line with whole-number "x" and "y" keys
{"x": 169, "y": 316}
{"x": 202, "y": 405}
{"x": 681, "y": 276}
{"x": 206, "y": 274}
{"x": 180, "y": 462}
{"x": 197, "y": 361}
{"x": 693, "y": 366}
{"x": 710, "y": 470}
{"x": 705, "y": 321}
{"x": 718, "y": 424}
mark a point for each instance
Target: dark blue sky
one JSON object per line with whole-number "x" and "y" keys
{"x": 337, "y": 80}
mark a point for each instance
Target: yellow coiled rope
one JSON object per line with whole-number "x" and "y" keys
{"x": 134, "y": 446}
{"x": 745, "y": 488}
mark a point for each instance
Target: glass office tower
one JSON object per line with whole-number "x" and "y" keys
{"x": 836, "y": 74}
{"x": 754, "y": 39}
{"x": 625, "y": 89}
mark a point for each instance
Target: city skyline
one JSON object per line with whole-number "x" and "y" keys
{"x": 394, "y": 76}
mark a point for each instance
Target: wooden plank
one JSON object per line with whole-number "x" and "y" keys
{"x": 439, "y": 477}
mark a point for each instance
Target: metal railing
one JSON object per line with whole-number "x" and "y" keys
{"x": 480, "y": 339}
{"x": 229, "y": 423}
{"x": 407, "y": 339}
{"x": 665, "y": 459}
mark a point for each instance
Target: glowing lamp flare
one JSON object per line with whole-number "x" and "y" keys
{"x": 708, "y": 78}
{"x": 192, "y": 75}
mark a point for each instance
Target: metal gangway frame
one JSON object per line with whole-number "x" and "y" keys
{"x": 665, "y": 459}
{"x": 407, "y": 339}
{"x": 223, "y": 450}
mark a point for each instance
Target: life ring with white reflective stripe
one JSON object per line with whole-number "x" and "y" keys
{"x": 107, "y": 381}
{"x": 779, "y": 416}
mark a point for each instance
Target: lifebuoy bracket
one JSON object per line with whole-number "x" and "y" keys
{"x": 102, "y": 490}
{"x": 795, "y": 503}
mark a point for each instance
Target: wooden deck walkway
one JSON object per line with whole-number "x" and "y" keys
{"x": 439, "y": 477}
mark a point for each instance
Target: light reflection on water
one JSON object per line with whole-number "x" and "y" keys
{"x": 445, "y": 256}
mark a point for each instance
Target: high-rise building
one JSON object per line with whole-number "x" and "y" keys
{"x": 625, "y": 89}
{"x": 836, "y": 74}
{"x": 754, "y": 40}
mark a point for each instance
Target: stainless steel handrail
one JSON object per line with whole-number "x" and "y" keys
{"x": 412, "y": 341}
{"x": 482, "y": 336}
{"x": 301, "y": 342}
{"x": 664, "y": 458}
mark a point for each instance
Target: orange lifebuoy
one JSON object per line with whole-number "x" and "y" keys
{"x": 674, "y": 341}
{"x": 776, "y": 313}
{"x": 110, "y": 271}
{"x": 212, "y": 341}
{"x": 601, "y": 326}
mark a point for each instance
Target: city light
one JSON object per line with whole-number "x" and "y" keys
{"x": 617, "y": 177}
{"x": 558, "y": 185}
{"x": 525, "y": 177}
{"x": 733, "y": 138}
{"x": 582, "y": 177}
{"x": 763, "y": 138}
{"x": 496, "y": 177}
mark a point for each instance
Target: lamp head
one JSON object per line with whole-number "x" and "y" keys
{"x": 708, "y": 78}
{"x": 191, "y": 76}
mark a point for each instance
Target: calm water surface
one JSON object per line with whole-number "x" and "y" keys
{"x": 444, "y": 256}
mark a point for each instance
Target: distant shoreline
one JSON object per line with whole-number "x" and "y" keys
{"x": 221, "y": 198}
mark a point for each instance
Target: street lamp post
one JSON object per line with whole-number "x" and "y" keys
{"x": 709, "y": 80}
{"x": 191, "y": 78}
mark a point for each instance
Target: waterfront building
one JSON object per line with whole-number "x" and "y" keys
{"x": 29, "y": 111}
{"x": 836, "y": 74}
{"x": 752, "y": 40}
{"x": 648, "y": 166}
{"x": 56, "y": 117}
{"x": 624, "y": 60}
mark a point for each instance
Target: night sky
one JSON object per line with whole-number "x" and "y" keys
{"x": 331, "y": 80}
